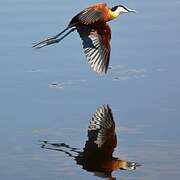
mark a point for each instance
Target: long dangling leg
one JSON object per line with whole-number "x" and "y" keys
{"x": 53, "y": 39}
{"x": 60, "y": 147}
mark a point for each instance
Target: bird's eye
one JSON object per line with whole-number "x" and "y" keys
{"x": 114, "y": 8}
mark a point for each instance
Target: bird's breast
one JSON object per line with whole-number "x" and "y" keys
{"x": 111, "y": 165}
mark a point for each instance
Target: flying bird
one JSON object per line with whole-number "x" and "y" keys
{"x": 91, "y": 24}
{"x": 97, "y": 155}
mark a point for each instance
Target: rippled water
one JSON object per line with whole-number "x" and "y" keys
{"x": 51, "y": 94}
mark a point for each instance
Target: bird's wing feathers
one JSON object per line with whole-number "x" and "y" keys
{"x": 96, "y": 45}
{"x": 92, "y": 14}
{"x": 89, "y": 16}
{"x": 103, "y": 124}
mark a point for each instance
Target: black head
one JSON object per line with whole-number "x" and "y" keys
{"x": 121, "y": 9}
{"x": 116, "y": 7}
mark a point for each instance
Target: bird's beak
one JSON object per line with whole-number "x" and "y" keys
{"x": 131, "y": 10}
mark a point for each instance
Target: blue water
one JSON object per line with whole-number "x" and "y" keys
{"x": 142, "y": 87}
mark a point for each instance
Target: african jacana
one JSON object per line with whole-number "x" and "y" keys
{"x": 94, "y": 31}
{"x": 97, "y": 154}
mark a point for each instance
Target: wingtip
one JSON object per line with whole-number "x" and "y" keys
{"x": 99, "y": 71}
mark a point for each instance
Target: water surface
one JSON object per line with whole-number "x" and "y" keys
{"x": 52, "y": 93}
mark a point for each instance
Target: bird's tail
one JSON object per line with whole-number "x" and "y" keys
{"x": 54, "y": 39}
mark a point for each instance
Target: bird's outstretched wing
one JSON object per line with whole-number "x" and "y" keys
{"x": 101, "y": 134}
{"x": 96, "y": 45}
{"x": 102, "y": 122}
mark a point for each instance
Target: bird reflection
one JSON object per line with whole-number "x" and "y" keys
{"x": 97, "y": 154}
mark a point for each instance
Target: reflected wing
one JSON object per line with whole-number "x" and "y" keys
{"x": 102, "y": 122}
{"x": 96, "y": 45}
{"x": 101, "y": 135}
{"x": 92, "y": 14}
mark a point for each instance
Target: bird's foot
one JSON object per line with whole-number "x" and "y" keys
{"x": 46, "y": 42}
